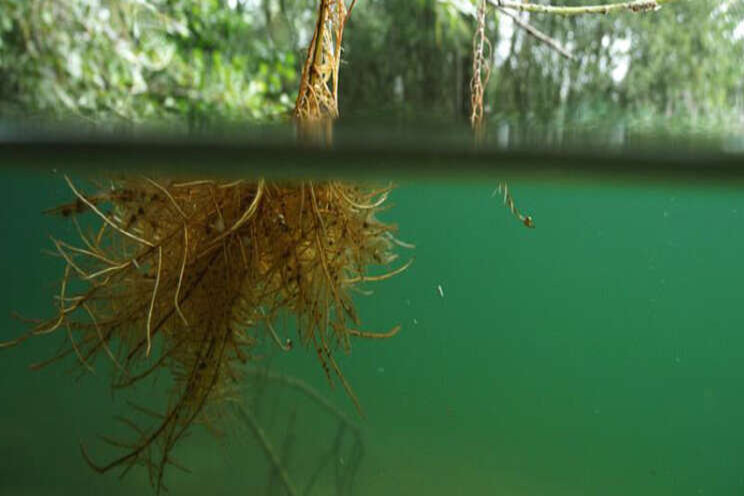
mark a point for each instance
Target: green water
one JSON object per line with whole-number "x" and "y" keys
{"x": 600, "y": 353}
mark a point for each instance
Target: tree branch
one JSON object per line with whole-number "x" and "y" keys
{"x": 634, "y": 6}
{"x": 539, "y": 35}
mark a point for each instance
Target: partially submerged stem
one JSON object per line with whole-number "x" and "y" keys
{"x": 247, "y": 416}
{"x": 317, "y": 99}
{"x": 308, "y": 391}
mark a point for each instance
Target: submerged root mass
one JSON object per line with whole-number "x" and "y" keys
{"x": 189, "y": 277}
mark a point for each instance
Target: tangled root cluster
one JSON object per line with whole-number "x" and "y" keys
{"x": 189, "y": 276}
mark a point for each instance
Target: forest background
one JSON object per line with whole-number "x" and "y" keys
{"x": 194, "y": 63}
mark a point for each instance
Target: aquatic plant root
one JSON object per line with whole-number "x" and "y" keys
{"x": 189, "y": 277}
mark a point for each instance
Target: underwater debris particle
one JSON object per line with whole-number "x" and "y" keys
{"x": 440, "y": 290}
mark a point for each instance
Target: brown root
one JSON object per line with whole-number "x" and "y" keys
{"x": 189, "y": 277}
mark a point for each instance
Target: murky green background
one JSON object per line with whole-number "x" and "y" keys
{"x": 600, "y": 353}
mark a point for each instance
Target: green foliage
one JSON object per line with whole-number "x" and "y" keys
{"x": 196, "y": 61}
{"x": 141, "y": 60}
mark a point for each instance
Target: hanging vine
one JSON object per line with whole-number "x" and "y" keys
{"x": 481, "y": 70}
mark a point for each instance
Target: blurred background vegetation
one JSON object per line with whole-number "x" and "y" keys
{"x": 194, "y": 62}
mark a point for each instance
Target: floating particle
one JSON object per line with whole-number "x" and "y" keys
{"x": 441, "y": 291}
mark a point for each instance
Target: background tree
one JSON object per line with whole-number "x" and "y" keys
{"x": 627, "y": 67}
{"x": 197, "y": 62}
